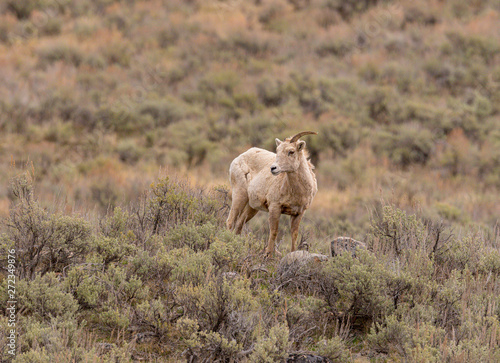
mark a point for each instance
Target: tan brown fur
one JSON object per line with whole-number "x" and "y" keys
{"x": 281, "y": 183}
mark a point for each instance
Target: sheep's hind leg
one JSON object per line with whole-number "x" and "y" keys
{"x": 238, "y": 204}
{"x": 247, "y": 214}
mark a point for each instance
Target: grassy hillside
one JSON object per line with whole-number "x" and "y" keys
{"x": 101, "y": 100}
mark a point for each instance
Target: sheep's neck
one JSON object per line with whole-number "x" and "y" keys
{"x": 300, "y": 181}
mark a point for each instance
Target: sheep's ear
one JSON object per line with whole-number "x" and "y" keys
{"x": 300, "y": 145}
{"x": 278, "y": 141}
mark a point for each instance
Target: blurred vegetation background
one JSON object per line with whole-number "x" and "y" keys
{"x": 100, "y": 94}
{"x": 101, "y": 97}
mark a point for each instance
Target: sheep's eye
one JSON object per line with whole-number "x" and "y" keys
{"x": 290, "y": 153}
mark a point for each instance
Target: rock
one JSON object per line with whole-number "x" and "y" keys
{"x": 342, "y": 244}
{"x": 306, "y": 358}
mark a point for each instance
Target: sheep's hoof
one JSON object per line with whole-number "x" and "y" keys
{"x": 269, "y": 254}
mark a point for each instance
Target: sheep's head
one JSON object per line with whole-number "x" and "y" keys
{"x": 289, "y": 153}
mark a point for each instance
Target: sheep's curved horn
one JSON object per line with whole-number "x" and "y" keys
{"x": 303, "y": 133}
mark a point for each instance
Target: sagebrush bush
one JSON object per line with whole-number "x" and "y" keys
{"x": 399, "y": 232}
{"x": 163, "y": 112}
{"x": 55, "y": 341}
{"x": 406, "y": 145}
{"x": 44, "y": 241}
{"x": 23, "y": 8}
{"x": 271, "y": 348}
{"x": 271, "y": 92}
{"x": 334, "y": 349}
{"x": 44, "y": 298}
{"x": 60, "y": 52}
{"x": 348, "y": 8}
{"x": 356, "y": 287}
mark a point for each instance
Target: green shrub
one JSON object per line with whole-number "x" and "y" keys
{"x": 255, "y": 130}
{"x": 167, "y": 36}
{"x": 349, "y": 8}
{"x": 421, "y": 16}
{"x": 163, "y": 112}
{"x": 108, "y": 295}
{"x": 334, "y": 349}
{"x": 119, "y": 53}
{"x": 52, "y": 26}
{"x": 470, "y": 350}
{"x": 129, "y": 152}
{"x": 397, "y": 337}
{"x": 473, "y": 46}
{"x": 223, "y": 81}
{"x": 186, "y": 266}
{"x": 171, "y": 202}
{"x": 119, "y": 117}
{"x": 346, "y": 95}
{"x": 341, "y": 136}
{"x": 249, "y": 44}
{"x": 60, "y": 132}
{"x": 334, "y": 47}
{"x": 271, "y": 17}
{"x": 5, "y": 31}
{"x": 356, "y": 287}
{"x": 189, "y": 143}
{"x": 489, "y": 262}
{"x": 399, "y": 233}
{"x": 380, "y": 105}
{"x": 220, "y": 316}
{"x": 44, "y": 298}
{"x": 450, "y": 212}
{"x": 104, "y": 194}
{"x": 271, "y": 92}
{"x": 45, "y": 241}
{"x": 60, "y": 52}
{"x": 118, "y": 20}
{"x": 271, "y": 348}
{"x": 446, "y": 75}
{"x": 23, "y": 8}
{"x": 231, "y": 252}
{"x": 56, "y": 340}
{"x": 308, "y": 92}
{"x": 462, "y": 253}
{"x": 327, "y": 18}
{"x": 405, "y": 145}
{"x": 197, "y": 238}
{"x": 57, "y": 104}
{"x": 156, "y": 316}
{"x": 424, "y": 114}
{"x": 83, "y": 282}
{"x": 112, "y": 249}
{"x": 205, "y": 344}
{"x": 153, "y": 267}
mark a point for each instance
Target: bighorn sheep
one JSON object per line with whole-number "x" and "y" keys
{"x": 281, "y": 183}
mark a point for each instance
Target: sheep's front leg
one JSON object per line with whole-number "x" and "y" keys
{"x": 294, "y": 226}
{"x": 274, "y": 220}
